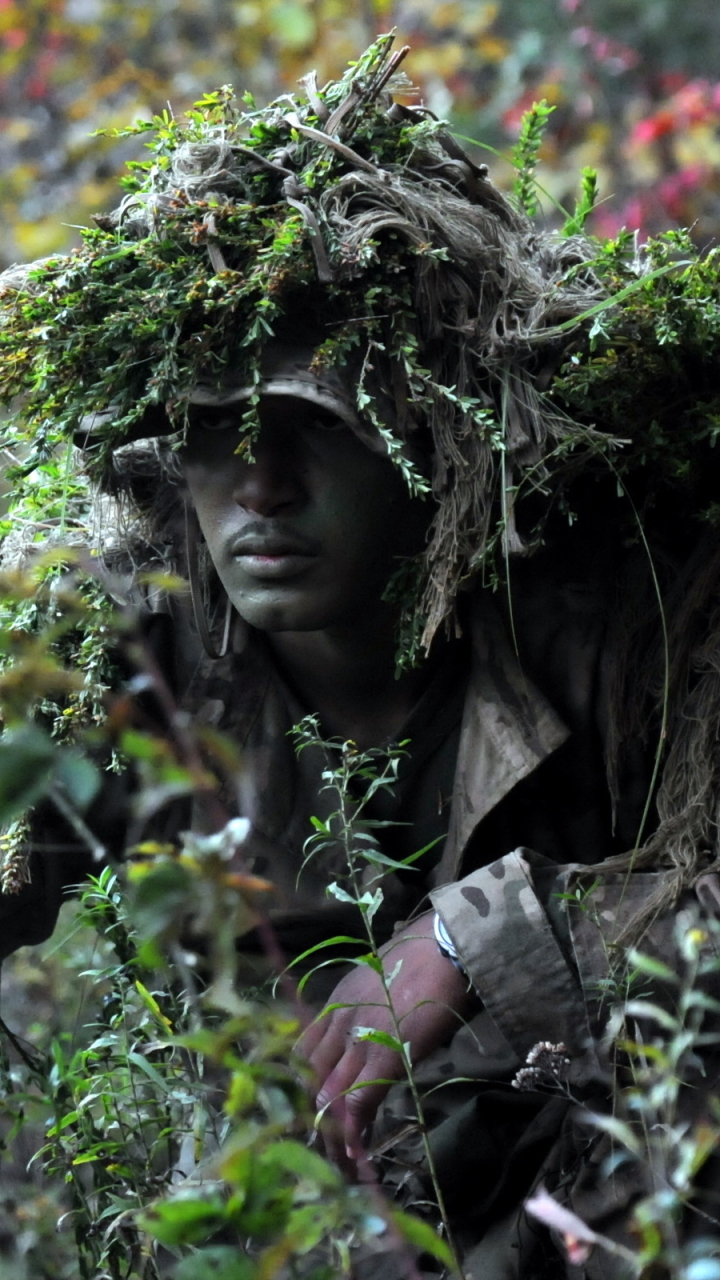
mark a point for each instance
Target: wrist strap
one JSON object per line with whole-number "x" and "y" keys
{"x": 446, "y": 946}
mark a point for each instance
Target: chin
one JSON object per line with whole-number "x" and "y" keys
{"x": 285, "y": 616}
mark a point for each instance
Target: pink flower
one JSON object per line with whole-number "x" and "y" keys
{"x": 578, "y": 1238}
{"x": 674, "y": 190}
{"x": 692, "y": 101}
{"x": 653, "y": 127}
{"x": 14, "y": 38}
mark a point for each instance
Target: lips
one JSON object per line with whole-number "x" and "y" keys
{"x": 272, "y": 554}
{"x": 270, "y": 545}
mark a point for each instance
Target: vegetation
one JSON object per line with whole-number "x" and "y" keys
{"x": 176, "y": 1114}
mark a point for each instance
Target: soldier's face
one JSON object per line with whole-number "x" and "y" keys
{"x": 308, "y": 535}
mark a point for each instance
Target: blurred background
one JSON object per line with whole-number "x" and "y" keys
{"x": 635, "y": 84}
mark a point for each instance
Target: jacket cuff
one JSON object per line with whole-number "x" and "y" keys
{"x": 513, "y": 958}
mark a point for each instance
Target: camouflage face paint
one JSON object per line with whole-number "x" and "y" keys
{"x": 307, "y": 536}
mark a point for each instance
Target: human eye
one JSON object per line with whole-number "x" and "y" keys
{"x": 326, "y": 422}
{"x": 212, "y": 418}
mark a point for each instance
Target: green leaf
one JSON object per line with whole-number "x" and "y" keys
{"x": 640, "y": 283}
{"x": 330, "y": 942}
{"x": 699, "y": 1000}
{"x": 413, "y": 857}
{"x": 616, "y": 1129}
{"x": 647, "y": 1009}
{"x": 139, "y": 746}
{"x": 648, "y": 964}
{"x": 101, "y": 1152}
{"x": 149, "y": 954}
{"x": 218, "y": 1262}
{"x": 308, "y": 1224}
{"x": 342, "y": 895}
{"x": 526, "y": 151}
{"x": 151, "y": 1003}
{"x": 422, "y": 1236}
{"x": 585, "y": 205}
{"x": 161, "y": 898}
{"x": 379, "y": 859}
{"x": 183, "y": 1221}
{"x": 241, "y": 1091}
{"x": 378, "y": 1037}
{"x": 78, "y": 777}
{"x": 652, "y": 1052}
{"x": 370, "y": 903}
{"x": 149, "y": 1070}
{"x": 292, "y": 1157}
{"x": 324, "y": 964}
{"x": 28, "y": 757}
{"x": 70, "y": 1118}
{"x": 236, "y": 1167}
{"x": 294, "y": 24}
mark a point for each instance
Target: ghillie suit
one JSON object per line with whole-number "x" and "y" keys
{"x": 443, "y": 312}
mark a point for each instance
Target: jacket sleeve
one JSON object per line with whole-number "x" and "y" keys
{"x": 536, "y": 941}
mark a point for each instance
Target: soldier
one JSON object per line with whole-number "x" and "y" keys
{"x": 380, "y": 355}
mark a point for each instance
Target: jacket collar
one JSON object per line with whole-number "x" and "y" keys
{"x": 508, "y": 729}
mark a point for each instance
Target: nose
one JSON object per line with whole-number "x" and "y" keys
{"x": 272, "y": 482}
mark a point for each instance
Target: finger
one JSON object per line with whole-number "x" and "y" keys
{"x": 335, "y": 1082}
{"x": 323, "y": 1053}
{"x": 331, "y": 1100}
{"x": 332, "y": 1132}
{"x": 306, "y": 1044}
{"x": 337, "y": 1042}
{"x": 364, "y": 1098}
{"x": 352, "y": 1094}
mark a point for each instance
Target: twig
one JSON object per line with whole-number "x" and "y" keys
{"x": 292, "y": 192}
{"x": 309, "y": 84}
{"x": 96, "y": 847}
{"x": 340, "y": 112}
{"x": 318, "y": 135}
{"x": 390, "y": 70}
{"x": 263, "y": 161}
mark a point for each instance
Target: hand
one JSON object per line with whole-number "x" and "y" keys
{"x": 429, "y": 997}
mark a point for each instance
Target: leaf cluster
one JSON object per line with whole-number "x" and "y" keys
{"x": 187, "y": 280}
{"x": 659, "y": 1130}
{"x": 178, "y": 1116}
{"x": 645, "y": 372}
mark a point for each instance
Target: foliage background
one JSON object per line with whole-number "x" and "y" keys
{"x": 634, "y": 83}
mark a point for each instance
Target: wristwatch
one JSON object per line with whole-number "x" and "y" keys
{"x": 446, "y": 946}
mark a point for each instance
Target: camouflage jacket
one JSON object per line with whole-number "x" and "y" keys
{"x": 516, "y": 743}
{"x": 530, "y": 817}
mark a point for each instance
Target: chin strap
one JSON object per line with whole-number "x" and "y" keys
{"x": 191, "y": 547}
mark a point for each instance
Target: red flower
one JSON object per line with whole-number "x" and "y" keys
{"x": 654, "y": 127}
